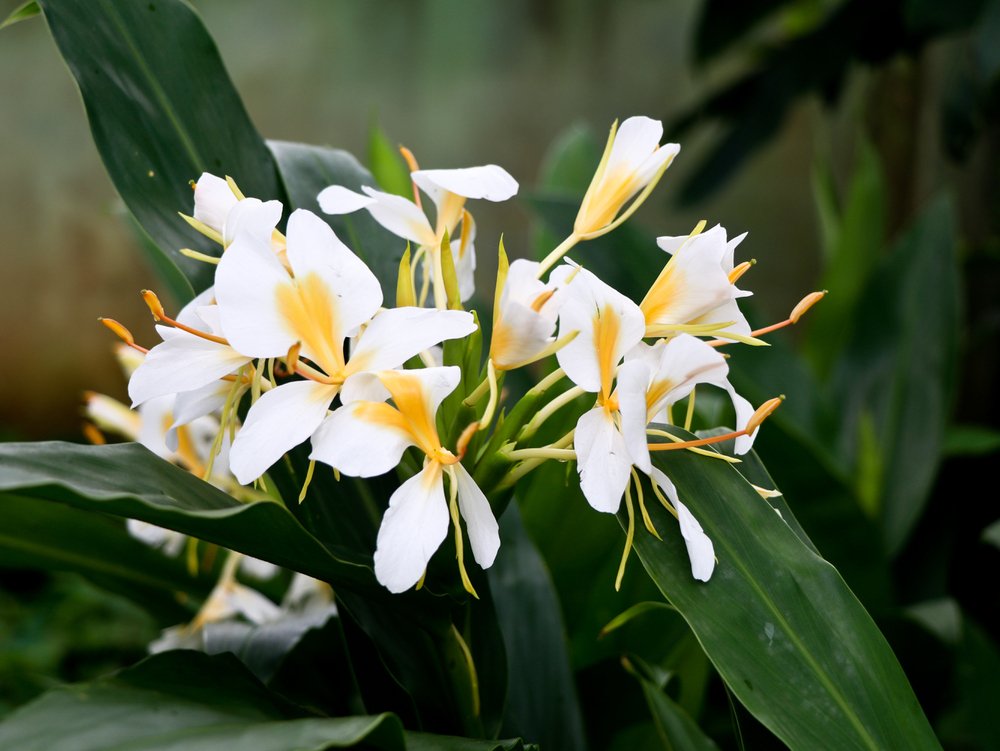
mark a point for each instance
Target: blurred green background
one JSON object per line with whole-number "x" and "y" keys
{"x": 858, "y": 142}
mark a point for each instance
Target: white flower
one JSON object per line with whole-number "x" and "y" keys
{"x": 329, "y": 297}
{"x": 694, "y": 292}
{"x": 526, "y": 317}
{"x": 633, "y": 161}
{"x": 368, "y": 438}
{"x": 221, "y": 211}
{"x": 448, "y": 189}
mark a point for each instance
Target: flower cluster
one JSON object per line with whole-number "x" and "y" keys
{"x": 295, "y": 336}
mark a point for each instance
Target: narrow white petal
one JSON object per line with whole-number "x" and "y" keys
{"x": 633, "y": 380}
{"x": 314, "y": 248}
{"x": 257, "y": 568}
{"x": 250, "y": 603}
{"x": 111, "y": 415}
{"x": 149, "y": 534}
{"x": 602, "y": 460}
{"x": 182, "y": 363}
{"x": 699, "y": 547}
{"x": 280, "y": 420}
{"x": 337, "y": 199}
{"x": 397, "y": 334}
{"x": 484, "y": 533}
{"x": 400, "y": 216}
{"x": 247, "y": 282}
{"x": 490, "y": 182}
{"x": 213, "y": 200}
{"x": 190, "y": 405}
{"x": 360, "y": 439}
{"x": 189, "y": 315}
{"x": 155, "y": 415}
{"x": 744, "y": 411}
{"x": 465, "y": 267}
{"x": 413, "y": 528}
{"x": 684, "y": 362}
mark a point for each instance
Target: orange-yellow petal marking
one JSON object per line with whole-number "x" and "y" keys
{"x": 310, "y": 312}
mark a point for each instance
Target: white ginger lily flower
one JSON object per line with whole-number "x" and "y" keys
{"x": 221, "y": 210}
{"x": 633, "y": 161}
{"x": 448, "y": 189}
{"x": 188, "y": 365}
{"x": 368, "y": 438}
{"x": 329, "y": 296}
{"x": 609, "y": 325}
{"x": 696, "y": 291}
{"x": 525, "y": 317}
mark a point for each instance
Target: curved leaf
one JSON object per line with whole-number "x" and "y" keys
{"x": 784, "y": 631}
{"x": 94, "y": 478}
{"x": 162, "y": 110}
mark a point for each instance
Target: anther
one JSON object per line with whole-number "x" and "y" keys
{"x": 762, "y": 413}
{"x": 804, "y": 304}
{"x": 153, "y": 303}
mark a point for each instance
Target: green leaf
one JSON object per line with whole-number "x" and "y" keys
{"x": 127, "y": 480}
{"x": 22, "y": 12}
{"x": 853, "y": 250}
{"x": 305, "y": 170}
{"x": 900, "y": 366}
{"x": 184, "y": 700}
{"x": 427, "y": 742}
{"x": 162, "y": 110}
{"x": 778, "y": 622}
{"x": 541, "y": 696}
{"x": 674, "y": 727}
{"x": 387, "y": 165}
{"x": 970, "y": 440}
{"x": 56, "y": 538}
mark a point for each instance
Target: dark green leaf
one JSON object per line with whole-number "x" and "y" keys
{"x": 900, "y": 366}
{"x": 22, "y": 12}
{"x": 127, "y": 480}
{"x": 162, "y": 111}
{"x": 970, "y": 440}
{"x": 305, "y": 170}
{"x": 50, "y": 536}
{"x": 778, "y": 622}
{"x": 541, "y": 697}
{"x": 675, "y": 728}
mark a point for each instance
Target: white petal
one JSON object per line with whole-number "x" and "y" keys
{"x": 397, "y": 334}
{"x": 337, "y": 199}
{"x": 602, "y": 460}
{"x": 744, "y": 411}
{"x": 357, "y": 442}
{"x": 250, "y": 603}
{"x": 280, "y": 420}
{"x": 414, "y": 526}
{"x": 252, "y": 216}
{"x": 401, "y": 217}
{"x": 183, "y": 362}
{"x": 189, "y": 314}
{"x": 489, "y": 181}
{"x": 313, "y": 248}
{"x": 699, "y": 547}
{"x": 257, "y": 568}
{"x": 213, "y": 200}
{"x": 113, "y": 416}
{"x": 465, "y": 260}
{"x": 247, "y": 281}
{"x": 589, "y": 302}
{"x": 684, "y": 362}
{"x": 633, "y": 380}
{"x": 635, "y": 141}
{"x": 520, "y": 335}
{"x": 190, "y": 405}
{"x": 484, "y": 533}
{"x": 148, "y": 533}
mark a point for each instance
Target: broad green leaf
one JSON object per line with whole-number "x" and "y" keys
{"x": 184, "y": 700}
{"x": 305, "y": 170}
{"x": 127, "y": 480}
{"x": 54, "y": 537}
{"x": 541, "y": 697}
{"x": 162, "y": 110}
{"x": 674, "y": 727}
{"x": 427, "y": 742}
{"x": 900, "y": 365}
{"x": 386, "y": 164}
{"x": 970, "y": 440}
{"x": 784, "y": 631}
{"x": 570, "y": 162}
{"x": 22, "y": 12}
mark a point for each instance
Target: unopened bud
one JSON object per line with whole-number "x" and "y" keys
{"x": 804, "y": 304}
{"x": 120, "y": 331}
{"x": 153, "y": 303}
{"x": 763, "y": 412}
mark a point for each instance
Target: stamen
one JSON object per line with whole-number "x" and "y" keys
{"x": 798, "y": 311}
{"x": 92, "y": 434}
{"x": 491, "y": 405}
{"x": 663, "y": 501}
{"x": 700, "y": 452}
{"x": 629, "y": 537}
{"x": 699, "y": 442}
{"x": 122, "y": 333}
{"x": 689, "y": 417}
{"x": 642, "y": 506}
{"x": 463, "y": 440}
{"x": 198, "y": 256}
{"x": 411, "y": 162}
{"x": 762, "y": 413}
{"x": 156, "y": 308}
{"x": 233, "y": 187}
{"x": 203, "y": 228}
{"x": 740, "y": 270}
